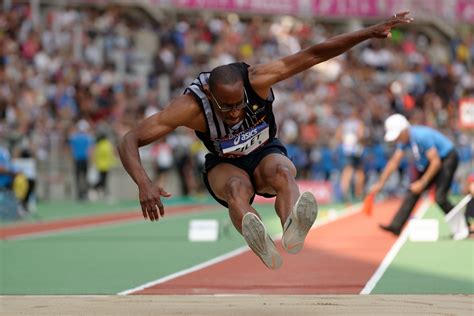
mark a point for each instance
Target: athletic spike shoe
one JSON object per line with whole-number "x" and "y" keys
{"x": 299, "y": 223}
{"x": 259, "y": 241}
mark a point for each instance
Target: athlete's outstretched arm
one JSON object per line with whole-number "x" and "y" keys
{"x": 263, "y": 76}
{"x": 182, "y": 111}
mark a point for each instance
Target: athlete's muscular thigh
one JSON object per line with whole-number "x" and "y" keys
{"x": 220, "y": 177}
{"x": 270, "y": 169}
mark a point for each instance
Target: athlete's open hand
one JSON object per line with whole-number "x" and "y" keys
{"x": 383, "y": 30}
{"x": 150, "y": 201}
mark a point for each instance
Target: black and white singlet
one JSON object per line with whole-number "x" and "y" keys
{"x": 257, "y": 128}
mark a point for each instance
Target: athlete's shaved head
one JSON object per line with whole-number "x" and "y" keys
{"x": 223, "y": 75}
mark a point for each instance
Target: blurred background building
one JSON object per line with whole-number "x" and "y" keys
{"x": 99, "y": 67}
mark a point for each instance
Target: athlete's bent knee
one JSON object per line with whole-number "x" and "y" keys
{"x": 284, "y": 172}
{"x": 238, "y": 190}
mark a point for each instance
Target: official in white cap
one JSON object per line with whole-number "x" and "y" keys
{"x": 394, "y": 126}
{"x": 436, "y": 160}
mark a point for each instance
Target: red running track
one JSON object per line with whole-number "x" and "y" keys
{"x": 338, "y": 258}
{"x": 37, "y": 228}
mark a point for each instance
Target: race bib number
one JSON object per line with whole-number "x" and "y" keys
{"x": 247, "y": 141}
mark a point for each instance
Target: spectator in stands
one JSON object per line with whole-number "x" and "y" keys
{"x": 6, "y": 169}
{"x": 94, "y": 62}
{"x": 351, "y": 133}
{"x": 104, "y": 160}
{"x": 9, "y": 208}
{"x": 327, "y": 160}
{"x": 81, "y": 142}
{"x": 25, "y": 162}
{"x": 181, "y": 144}
{"x": 162, "y": 155}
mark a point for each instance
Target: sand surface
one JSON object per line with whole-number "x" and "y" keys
{"x": 242, "y": 305}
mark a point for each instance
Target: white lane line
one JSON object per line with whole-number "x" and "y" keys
{"x": 186, "y": 271}
{"x": 370, "y": 285}
{"x": 342, "y": 214}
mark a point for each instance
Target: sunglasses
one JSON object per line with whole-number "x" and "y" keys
{"x": 227, "y": 107}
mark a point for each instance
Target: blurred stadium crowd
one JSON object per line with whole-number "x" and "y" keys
{"x": 106, "y": 69}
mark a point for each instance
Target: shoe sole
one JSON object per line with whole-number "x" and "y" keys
{"x": 259, "y": 241}
{"x": 299, "y": 223}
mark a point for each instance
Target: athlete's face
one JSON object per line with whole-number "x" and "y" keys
{"x": 230, "y": 101}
